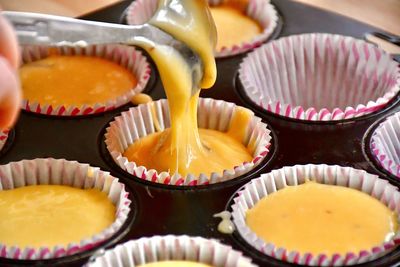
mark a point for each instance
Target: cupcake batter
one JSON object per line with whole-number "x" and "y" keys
{"x": 222, "y": 152}
{"x": 233, "y": 26}
{"x": 49, "y": 215}
{"x": 320, "y": 218}
{"x": 175, "y": 264}
{"x": 180, "y": 148}
{"x": 74, "y": 80}
{"x": 141, "y": 99}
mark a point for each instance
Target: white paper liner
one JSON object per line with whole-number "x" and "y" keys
{"x": 320, "y": 77}
{"x": 3, "y": 138}
{"x": 125, "y": 56}
{"x": 179, "y": 248}
{"x": 268, "y": 183}
{"x": 385, "y": 144}
{"x": 262, "y": 11}
{"x": 138, "y": 122}
{"x": 62, "y": 172}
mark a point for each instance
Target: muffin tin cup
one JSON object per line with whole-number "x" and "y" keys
{"x": 51, "y": 171}
{"x": 262, "y": 11}
{"x": 125, "y": 56}
{"x": 3, "y": 138}
{"x": 275, "y": 180}
{"x": 319, "y": 77}
{"x": 138, "y": 122}
{"x": 385, "y": 144}
{"x": 177, "y": 248}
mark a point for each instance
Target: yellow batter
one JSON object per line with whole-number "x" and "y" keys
{"x": 233, "y": 26}
{"x": 181, "y": 149}
{"x": 223, "y": 152}
{"x": 320, "y": 218}
{"x": 74, "y": 80}
{"x": 175, "y": 264}
{"x": 49, "y": 215}
{"x": 141, "y": 99}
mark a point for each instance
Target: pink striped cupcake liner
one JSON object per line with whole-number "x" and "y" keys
{"x": 3, "y": 138}
{"x": 262, "y": 11}
{"x": 385, "y": 144}
{"x": 70, "y": 173}
{"x": 320, "y": 77}
{"x": 271, "y": 182}
{"x": 171, "y": 248}
{"x": 125, "y": 56}
{"x": 138, "y": 122}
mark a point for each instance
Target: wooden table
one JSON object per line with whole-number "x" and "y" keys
{"x": 70, "y": 8}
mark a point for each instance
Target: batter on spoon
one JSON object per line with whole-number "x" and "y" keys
{"x": 181, "y": 148}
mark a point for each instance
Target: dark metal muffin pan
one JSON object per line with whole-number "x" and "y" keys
{"x": 161, "y": 210}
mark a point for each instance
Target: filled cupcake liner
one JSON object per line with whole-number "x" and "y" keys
{"x": 262, "y": 11}
{"x": 126, "y": 56}
{"x": 138, "y": 122}
{"x": 271, "y": 182}
{"x": 51, "y": 171}
{"x": 3, "y": 138}
{"x": 385, "y": 144}
{"x": 168, "y": 248}
{"x": 320, "y": 77}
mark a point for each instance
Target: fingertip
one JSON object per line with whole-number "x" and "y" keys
{"x": 10, "y": 95}
{"x": 8, "y": 43}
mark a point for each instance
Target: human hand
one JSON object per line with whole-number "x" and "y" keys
{"x": 10, "y": 91}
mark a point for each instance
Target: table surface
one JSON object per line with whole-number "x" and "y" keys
{"x": 383, "y": 14}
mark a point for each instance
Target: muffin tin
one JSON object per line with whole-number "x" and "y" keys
{"x": 163, "y": 209}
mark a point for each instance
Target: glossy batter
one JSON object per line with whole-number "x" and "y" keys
{"x": 175, "y": 264}
{"x": 320, "y": 218}
{"x": 141, "y": 99}
{"x": 180, "y": 149}
{"x": 74, "y": 80}
{"x": 222, "y": 152}
{"x": 233, "y": 26}
{"x": 49, "y": 215}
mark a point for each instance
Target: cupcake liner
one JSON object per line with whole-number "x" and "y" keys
{"x": 3, "y": 138}
{"x": 138, "y": 122}
{"x": 268, "y": 183}
{"x": 385, "y": 144}
{"x": 125, "y": 56}
{"x": 69, "y": 173}
{"x": 179, "y": 248}
{"x": 262, "y": 11}
{"x": 319, "y": 77}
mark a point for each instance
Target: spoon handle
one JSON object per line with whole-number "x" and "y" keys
{"x": 41, "y": 29}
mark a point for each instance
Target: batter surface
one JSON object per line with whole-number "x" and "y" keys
{"x": 320, "y": 218}
{"x": 222, "y": 152}
{"x": 74, "y": 80}
{"x": 233, "y": 26}
{"x": 49, "y": 215}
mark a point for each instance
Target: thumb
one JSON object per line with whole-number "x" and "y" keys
{"x": 10, "y": 95}
{"x": 8, "y": 42}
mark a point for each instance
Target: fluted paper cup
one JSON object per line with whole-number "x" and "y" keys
{"x": 268, "y": 183}
{"x": 171, "y": 248}
{"x": 138, "y": 122}
{"x": 125, "y": 56}
{"x": 385, "y": 144}
{"x": 262, "y": 11}
{"x": 69, "y": 173}
{"x": 319, "y": 77}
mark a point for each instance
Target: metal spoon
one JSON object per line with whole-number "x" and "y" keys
{"x": 49, "y": 30}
